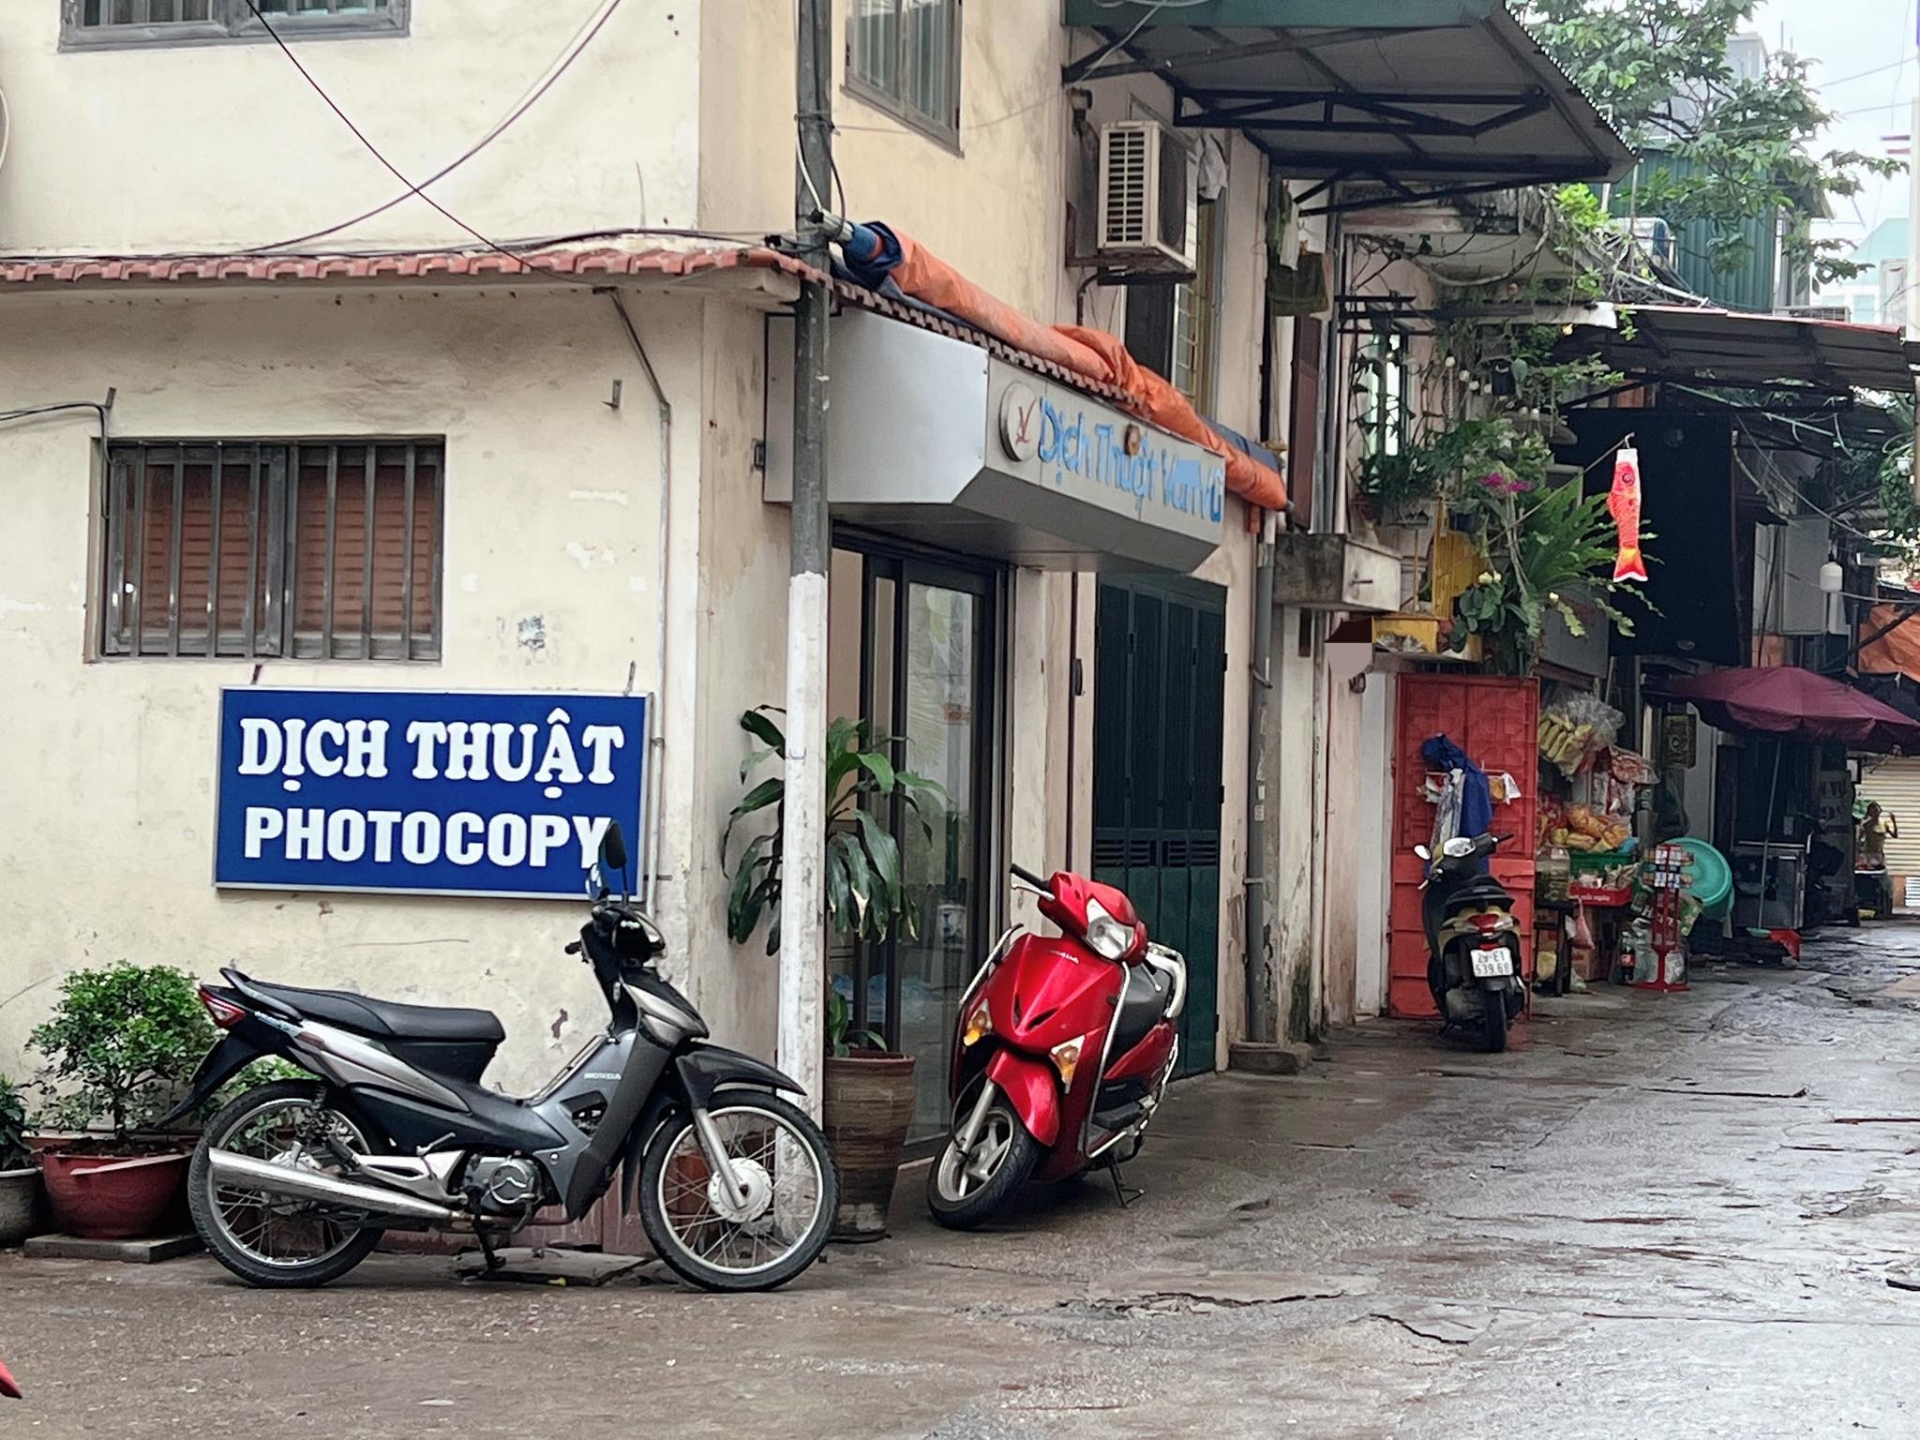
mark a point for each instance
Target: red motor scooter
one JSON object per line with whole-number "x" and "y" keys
{"x": 1065, "y": 1047}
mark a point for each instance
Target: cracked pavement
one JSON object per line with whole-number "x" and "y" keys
{"x": 1683, "y": 1216}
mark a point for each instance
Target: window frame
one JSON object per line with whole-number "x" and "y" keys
{"x": 116, "y": 633}
{"x": 946, "y": 131}
{"x": 232, "y": 22}
{"x": 1386, "y": 414}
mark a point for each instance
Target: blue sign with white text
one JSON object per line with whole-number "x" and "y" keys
{"x": 438, "y": 792}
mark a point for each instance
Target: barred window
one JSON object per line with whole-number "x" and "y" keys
{"x": 133, "y": 22}
{"x": 306, "y": 550}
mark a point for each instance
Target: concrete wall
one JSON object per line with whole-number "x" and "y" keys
{"x": 217, "y": 146}
{"x": 552, "y": 519}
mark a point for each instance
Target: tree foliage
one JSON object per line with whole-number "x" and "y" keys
{"x": 1660, "y": 70}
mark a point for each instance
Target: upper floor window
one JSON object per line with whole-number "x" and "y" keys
{"x": 165, "y": 22}
{"x": 307, "y": 550}
{"x": 1386, "y": 393}
{"x": 905, "y": 55}
{"x": 1170, "y": 327}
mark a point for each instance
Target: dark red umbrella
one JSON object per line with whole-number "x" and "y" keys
{"x": 1793, "y": 703}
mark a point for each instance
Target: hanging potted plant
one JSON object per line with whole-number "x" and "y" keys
{"x": 868, "y": 1096}
{"x": 121, "y": 1044}
{"x": 19, "y": 1177}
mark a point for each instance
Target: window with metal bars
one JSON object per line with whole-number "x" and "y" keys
{"x": 162, "y": 22}
{"x": 308, "y": 550}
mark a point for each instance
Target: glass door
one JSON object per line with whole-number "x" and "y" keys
{"x": 925, "y": 658}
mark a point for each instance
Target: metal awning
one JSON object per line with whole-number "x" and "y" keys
{"x": 1757, "y": 350}
{"x": 1427, "y": 97}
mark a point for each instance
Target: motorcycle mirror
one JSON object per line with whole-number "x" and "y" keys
{"x": 1423, "y": 852}
{"x": 612, "y": 860}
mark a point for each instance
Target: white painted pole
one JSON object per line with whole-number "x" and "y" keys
{"x": 803, "y": 894}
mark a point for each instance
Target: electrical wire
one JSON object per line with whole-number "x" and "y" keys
{"x": 555, "y": 70}
{"x": 394, "y": 170}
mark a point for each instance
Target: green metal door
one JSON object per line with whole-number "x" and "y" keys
{"x": 1158, "y": 700}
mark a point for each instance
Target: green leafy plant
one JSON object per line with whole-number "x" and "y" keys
{"x": 842, "y": 1038}
{"x": 865, "y": 895}
{"x": 121, "y": 1043}
{"x": 1546, "y": 548}
{"x": 14, "y": 1154}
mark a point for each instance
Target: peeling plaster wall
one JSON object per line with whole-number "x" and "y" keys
{"x": 214, "y": 146}
{"x": 551, "y": 582}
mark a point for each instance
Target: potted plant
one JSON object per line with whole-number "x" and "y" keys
{"x": 120, "y": 1045}
{"x": 19, "y": 1177}
{"x": 868, "y": 1096}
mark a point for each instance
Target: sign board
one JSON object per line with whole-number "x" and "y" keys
{"x": 1058, "y": 438}
{"x": 424, "y": 792}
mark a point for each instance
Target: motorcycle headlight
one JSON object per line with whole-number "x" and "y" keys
{"x": 1106, "y": 936}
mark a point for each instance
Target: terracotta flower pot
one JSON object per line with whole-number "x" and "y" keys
{"x": 19, "y": 1200}
{"x": 867, "y": 1106}
{"x": 111, "y": 1197}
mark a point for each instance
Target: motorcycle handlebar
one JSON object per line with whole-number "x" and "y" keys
{"x": 1020, "y": 872}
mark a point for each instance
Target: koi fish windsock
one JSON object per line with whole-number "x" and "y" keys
{"x": 1623, "y": 504}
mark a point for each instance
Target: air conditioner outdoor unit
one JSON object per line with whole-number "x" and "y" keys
{"x": 1147, "y": 197}
{"x": 1654, "y": 233}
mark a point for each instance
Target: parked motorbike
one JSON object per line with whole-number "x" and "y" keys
{"x": 294, "y": 1181}
{"x": 1473, "y": 940}
{"x": 1064, "y": 1049}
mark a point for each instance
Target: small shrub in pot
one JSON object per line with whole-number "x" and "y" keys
{"x": 19, "y": 1179}
{"x": 121, "y": 1044}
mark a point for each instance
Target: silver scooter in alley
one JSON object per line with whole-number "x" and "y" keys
{"x": 294, "y": 1182}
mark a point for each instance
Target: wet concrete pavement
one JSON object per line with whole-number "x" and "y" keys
{"x": 1671, "y": 1217}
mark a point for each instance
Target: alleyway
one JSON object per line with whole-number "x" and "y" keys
{"x": 1683, "y": 1217}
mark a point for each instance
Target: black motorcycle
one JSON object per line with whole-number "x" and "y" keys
{"x": 1473, "y": 940}
{"x": 294, "y": 1181}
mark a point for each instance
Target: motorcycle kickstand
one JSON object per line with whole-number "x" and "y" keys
{"x": 1126, "y": 1194}
{"x": 493, "y": 1259}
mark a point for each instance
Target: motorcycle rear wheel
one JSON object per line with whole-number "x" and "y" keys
{"x": 271, "y": 1243}
{"x": 964, "y": 1192}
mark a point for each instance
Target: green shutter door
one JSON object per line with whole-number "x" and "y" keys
{"x": 1159, "y": 693}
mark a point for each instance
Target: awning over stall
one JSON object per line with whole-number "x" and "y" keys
{"x": 1792, "y": 703}
{"x": 1434, "y": 97}
{"x": 1738, "y": 348}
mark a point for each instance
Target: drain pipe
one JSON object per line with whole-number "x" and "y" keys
{"x": 655, "y": 821}
{"x": 1259, "y": 1002}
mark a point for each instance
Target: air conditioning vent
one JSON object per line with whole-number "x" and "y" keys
{"x": 1146, "y": 199}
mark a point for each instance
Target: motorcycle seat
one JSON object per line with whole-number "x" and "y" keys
{"x": 1143, "y": 1004}
{"x": 383, "y": 1019}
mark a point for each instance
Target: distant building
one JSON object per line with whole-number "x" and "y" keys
{"x": 1878, "y": 294}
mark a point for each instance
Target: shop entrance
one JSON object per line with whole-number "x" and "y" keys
{"x": 1160, "y": 655}
{"x": 911, "y": 649}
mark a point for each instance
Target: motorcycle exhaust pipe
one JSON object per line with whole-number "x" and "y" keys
{"x": 246, "y": 1172}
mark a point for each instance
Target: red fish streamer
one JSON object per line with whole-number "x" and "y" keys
{"x": 1623, "y": 504}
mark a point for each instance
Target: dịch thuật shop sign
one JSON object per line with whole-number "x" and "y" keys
{"x": 430, "y": 792}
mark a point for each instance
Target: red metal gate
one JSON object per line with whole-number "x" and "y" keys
{"x": 1495, "y": 720}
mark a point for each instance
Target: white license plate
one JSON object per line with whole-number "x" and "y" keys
{"x": 1492, "y": 962}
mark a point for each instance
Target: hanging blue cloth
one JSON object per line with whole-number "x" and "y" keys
{"x": 1476, "y": 800}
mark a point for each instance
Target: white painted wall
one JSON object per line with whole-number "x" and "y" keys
{"x": 552, "y": 511}
{"x": 211, "y": 147}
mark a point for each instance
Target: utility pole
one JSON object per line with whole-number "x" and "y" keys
{"x": 803, "y": 948}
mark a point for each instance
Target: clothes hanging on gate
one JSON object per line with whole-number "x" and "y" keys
{"x": 1476, "y": 795}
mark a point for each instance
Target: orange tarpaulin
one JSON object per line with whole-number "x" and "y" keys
{"x": 1890, "y": 651}
{"x": 1093, "y": 353}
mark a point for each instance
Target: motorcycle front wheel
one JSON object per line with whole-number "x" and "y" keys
{"x": 966, "y": 1189}
{"x": 718, "y": 1241}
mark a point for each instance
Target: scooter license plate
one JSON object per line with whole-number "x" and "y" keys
{"x": 1497, "y": 961}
